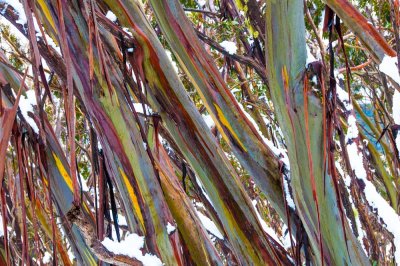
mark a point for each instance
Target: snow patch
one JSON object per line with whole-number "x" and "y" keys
{"x": 209, "y": 225}
{"x": 352, "y": 131}
{"x": 389, "y": 67}
{"x": 288, "y": 196}
{"x": 201, "y": 3}
{"x": 130, "y": 247}
{"x": 111, "y": 16}
{"x": 200, "y": 184}
{"x": 26, "y": 105}
{"x": 396, "y": 107}
{"x": 19, "y": 9}
{"x": 283, "y": 158}
{"x": 209, "y": 121}
{"x": 229, "y": 46}
{"x": 174, "y": 65}
{"x": 375, "y": 200}
{"x": 46, "y": 257}
{"x": 139, "y": 108}
{"x": 1, "y": 226}
{"x": 310, "y": 56}
{"x": 170, "y": 228}
{"x": 85, "y": 187}
{"x": 264, "y": 225}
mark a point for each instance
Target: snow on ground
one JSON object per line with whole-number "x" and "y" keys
{"x": 130, "y": 247}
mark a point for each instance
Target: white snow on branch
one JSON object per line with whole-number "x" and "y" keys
{"x": 396, "y": 107}
{"x": 200, "y": 184}
{"x": 352, "y": 131}
{"x": 209, "y": 121}
{"x": 229, "y": 46}
{"x": 396, "y": 114}
{"x": 375, "y": 200}
{"x": 1, "y": 226}
{"x": 389, "y": 67}
{"x": 46, "y": 257}
{"x": 289, "y": 199}
{"x": 51, "y": 43}
{"x": 174, "y": 65}
{"x": 264, "y": 225}
{"x": 14, "y": 31}
{"x": 85, "y": 187}
{"x": 26, "y": 105}
{"x": 347, "y": 181}
{"x": 19, "y": 9}
{"x": 170, "y": 228}
{"x": 139, "y": 108}
{"x": 130, "y": 247}
{"x": 281, "y": 153}
{"x": 111, "y": 16}
{"x": 310, "y": 57}
{"x": 121, "y": 219}
{"x": 201, "y": 3}
{"x": 209, "y": 225}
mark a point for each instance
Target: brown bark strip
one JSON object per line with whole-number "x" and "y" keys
{"x": 70, "y": 102}
{"x": 373, "y": 40}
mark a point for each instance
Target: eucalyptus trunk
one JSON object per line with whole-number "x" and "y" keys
{"x": 300, "y": 115}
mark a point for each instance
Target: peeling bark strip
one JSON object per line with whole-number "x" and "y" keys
{"x": 230, "y": 119}
{"x": 88, "y": 231}
{"x": 108, "y": 69}
{"x": 373, "y": 40}
{"x": 120, "y": 138}
{"x": 200, "y": 247}
{"x": 54, "y": 174}
{"x": 57, "y": 64}
{"x": 7, "y": 117}
{"x": 185, "y": 124}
